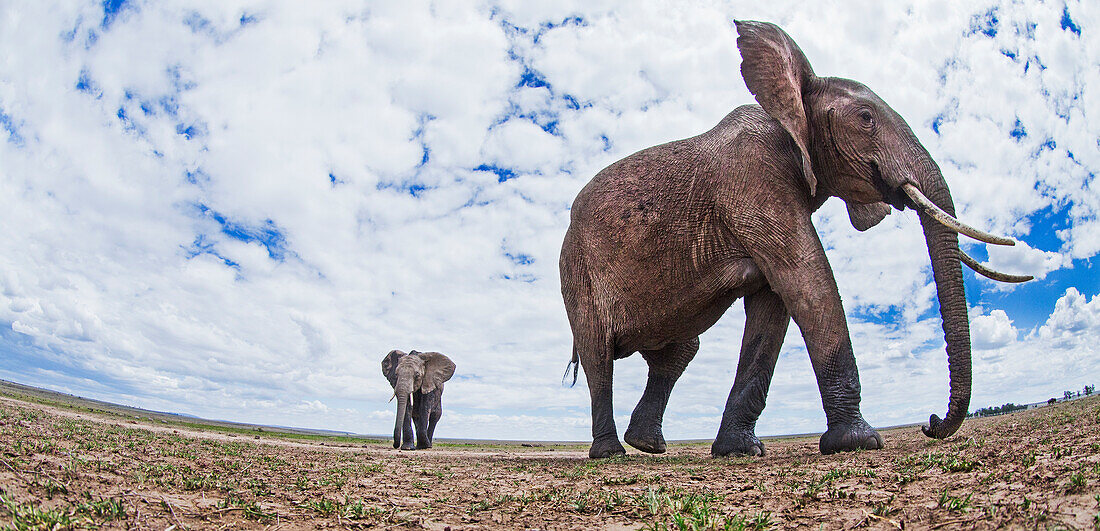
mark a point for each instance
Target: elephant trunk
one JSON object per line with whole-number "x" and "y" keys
{"x": 943, "y": 249}
{"x": 403, "y": 393}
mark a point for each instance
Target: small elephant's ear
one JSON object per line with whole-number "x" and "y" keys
{"x": 777, "y": 73}
{"x": 437, "y": 369}
{"x": 867, "y": 215}
{"x": 389, "y": 366}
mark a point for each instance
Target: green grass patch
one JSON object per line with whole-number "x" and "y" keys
{"x": 683, "y": 511}
{"x": 90, "y": 514}
{"x": 953, "y": 503}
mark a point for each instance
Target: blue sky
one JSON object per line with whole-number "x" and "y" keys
{"x": 235, "y": 209}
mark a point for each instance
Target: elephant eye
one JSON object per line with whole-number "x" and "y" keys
{"x": 868, "y": 120}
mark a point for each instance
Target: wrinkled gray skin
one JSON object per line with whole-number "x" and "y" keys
{"x": 417, "y": 380}
{"x": 662, "y": 242}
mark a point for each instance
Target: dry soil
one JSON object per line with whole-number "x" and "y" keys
{"x": 66, "y": 466}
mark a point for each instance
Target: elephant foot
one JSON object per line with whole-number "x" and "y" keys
{"x": 408, "y": 447}
{"x": 738, "y": 442}
{"x": 606, "y": 447}
{"x": 423, "y": 446}
{"x": 847, "y": 437}
{"x": 650, "y": 441}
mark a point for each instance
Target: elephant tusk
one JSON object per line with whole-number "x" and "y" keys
{"x": 930, "y": 208}
{"x": 394, "y": 396}
{"x": 989, "y": 273}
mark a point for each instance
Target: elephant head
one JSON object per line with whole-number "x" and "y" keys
{"x": 415, "y": 372}
{"x": 854, "y": 146}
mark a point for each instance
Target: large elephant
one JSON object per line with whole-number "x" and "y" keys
{"x": 662, "y": 242}
{"x": 417, "y": 377}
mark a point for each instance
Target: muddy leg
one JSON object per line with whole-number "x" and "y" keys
{"x": 596, "y": 359}
{"x": 766, "y": 322}
{"x": 665, "y": 367}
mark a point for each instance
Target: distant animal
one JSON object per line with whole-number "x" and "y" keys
{"x": 662, "y": 242}
{"x": 417, "y": 380}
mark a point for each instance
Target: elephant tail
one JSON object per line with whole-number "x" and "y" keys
{"x": 573, "y": 364}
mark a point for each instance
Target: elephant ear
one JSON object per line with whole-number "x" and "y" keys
{"x": 437, "y": 369}
{"x": 389, "y": 366}
{"x": 777, "y": 73}
{"x": 867, "y": 215}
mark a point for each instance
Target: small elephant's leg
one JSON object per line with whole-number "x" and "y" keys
{"x": 407, "y": 441}
{"x": 597, "y": 357}
{"x": 665, "y": 367}
{"x": 766, "y": 322}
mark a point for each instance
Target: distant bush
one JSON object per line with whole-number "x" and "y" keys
{"x": 997, "y": 410}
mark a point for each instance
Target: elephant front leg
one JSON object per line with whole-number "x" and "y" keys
{"x": 826, "y": 333}
{"x": 838, "y": 380}
{"x": 407, "y": 441}
{"x": 665, "y": 367}
{"x": 766, "y": 322}
{"x": 800, "y": 274}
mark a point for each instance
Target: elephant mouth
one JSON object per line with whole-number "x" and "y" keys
{"x": 908, "y": 194}
{"x": 891, "y": 196}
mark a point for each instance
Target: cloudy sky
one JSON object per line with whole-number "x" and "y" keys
{"x": 236, "y": 209}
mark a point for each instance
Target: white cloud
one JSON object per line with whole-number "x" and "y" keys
{"x": 1023, "y": 259}
{"x": 236, "y": 210}
{"x": 991, "y": 331}
{"x": 1073, "y": 318}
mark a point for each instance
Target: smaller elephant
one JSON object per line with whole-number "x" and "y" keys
{"x": 417, "y": 377}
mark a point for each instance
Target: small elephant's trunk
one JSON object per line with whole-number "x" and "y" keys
{"x": 399, "y": 424}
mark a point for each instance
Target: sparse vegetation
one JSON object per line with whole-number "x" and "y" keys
{"x": 955, "y": 504}
{"x": 63, "y": 468}
{"x": 998, "y": 410}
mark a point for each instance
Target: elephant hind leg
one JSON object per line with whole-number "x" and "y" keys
{"x": 766, "y": 321}
{"x": 597, "y": 357}
{"x": 665, "y": 367}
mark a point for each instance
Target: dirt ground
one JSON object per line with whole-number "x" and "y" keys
{"x": 64, "y": 467}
